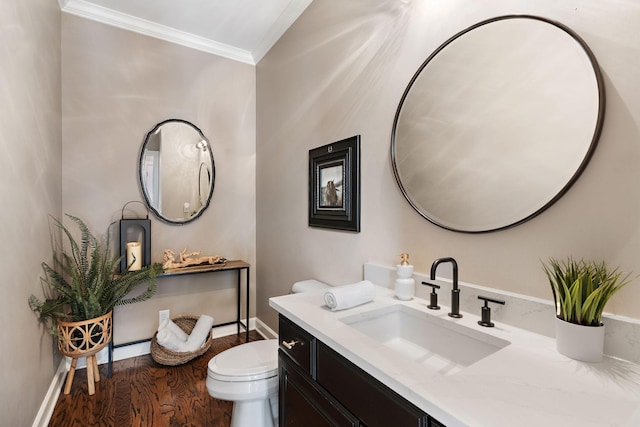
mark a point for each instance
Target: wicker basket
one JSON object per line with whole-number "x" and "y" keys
{"x": 84, "y": 338}
{"x": 168, "y": 357}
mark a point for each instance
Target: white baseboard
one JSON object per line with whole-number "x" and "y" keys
{"x": 49, "y": 403}
{"x": 125, "y": 352}
{"x": 142, "y": 348}
{"x": 264, "y": 330}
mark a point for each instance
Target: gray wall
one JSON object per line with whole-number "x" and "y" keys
{"x": 116, "y": 86}
{"x": 341, "y": 70}
{"x": 30, "y": 172}
{"x": 78, "y": 98}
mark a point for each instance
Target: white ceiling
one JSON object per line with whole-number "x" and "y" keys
{"x": 243, "y": 30}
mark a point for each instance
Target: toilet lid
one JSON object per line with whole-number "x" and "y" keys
{"x": 247, "y": 362}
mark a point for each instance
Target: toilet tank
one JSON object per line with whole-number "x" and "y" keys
{"x": 308, "y": 285}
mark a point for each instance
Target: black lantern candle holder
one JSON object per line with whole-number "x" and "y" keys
{"x": 135, "y": 241}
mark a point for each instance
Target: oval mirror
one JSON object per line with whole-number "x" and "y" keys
{"x": 176, "y": 171}
{"x": 497, "y": 123}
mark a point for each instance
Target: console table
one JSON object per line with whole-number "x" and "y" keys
{"x": 236, "y": 265}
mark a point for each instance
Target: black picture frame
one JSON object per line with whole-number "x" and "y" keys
{"x": 334, "y": 185}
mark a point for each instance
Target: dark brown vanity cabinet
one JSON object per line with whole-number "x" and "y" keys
{"x": 302, "y": 402}
{"x": 319, "y": 387}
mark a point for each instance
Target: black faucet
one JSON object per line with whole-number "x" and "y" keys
{"x": 455, "y": 292}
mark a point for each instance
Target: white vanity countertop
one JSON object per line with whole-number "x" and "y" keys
{"x": 527, "y": 383}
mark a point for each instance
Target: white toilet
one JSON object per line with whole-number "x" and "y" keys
{"x": 247, "y": 375}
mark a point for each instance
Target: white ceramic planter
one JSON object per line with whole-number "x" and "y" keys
{"x": 584, "y": 343}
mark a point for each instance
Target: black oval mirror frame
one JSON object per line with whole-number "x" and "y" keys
{"x": 175, "y": 167}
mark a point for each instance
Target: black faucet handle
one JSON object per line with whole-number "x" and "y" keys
{"x": 433, "y": 285}
{"x": 433, "y": 296}
{"x": 486, "y": 311}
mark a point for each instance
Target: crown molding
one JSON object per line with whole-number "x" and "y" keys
{"x": 142, "y": 26}
{"x": 282, "y": 24}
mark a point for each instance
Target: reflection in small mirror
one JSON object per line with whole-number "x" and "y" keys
{"x": 176, "y": 171}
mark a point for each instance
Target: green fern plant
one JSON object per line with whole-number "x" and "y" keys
{"x": 83, "y": 283}
{"x": 581, "y": 289}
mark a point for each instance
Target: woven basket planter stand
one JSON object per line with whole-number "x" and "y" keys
{"x": 84, "y": 339}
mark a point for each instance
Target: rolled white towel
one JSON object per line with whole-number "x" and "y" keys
{"x": 169, "y": 340}
{"x": 199, "y": 334}
{"x": 173, "y": 328}
{"x": 348, "y": 296}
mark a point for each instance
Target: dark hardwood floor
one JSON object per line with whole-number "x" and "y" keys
{"x": 144, "y": 393}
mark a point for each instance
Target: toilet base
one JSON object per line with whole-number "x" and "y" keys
{"x": 255, "y": 413}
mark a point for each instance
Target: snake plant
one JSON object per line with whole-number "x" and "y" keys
{"x": 581, "y": 289}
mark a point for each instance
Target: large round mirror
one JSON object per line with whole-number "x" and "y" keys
{"x": 497, "y": 123}
{"x": 177, "y": 172}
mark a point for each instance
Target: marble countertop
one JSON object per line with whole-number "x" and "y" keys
{"x": 527, "y": 383}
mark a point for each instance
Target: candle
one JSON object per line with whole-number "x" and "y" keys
{"x": 134, "y": 256}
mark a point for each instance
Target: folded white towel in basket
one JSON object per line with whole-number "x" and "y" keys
{"x": 167, "y": 339}
{"x": 171, "y": 337}
{"x": 199, "y": 334}
{"x": 348, "y": 296}
{"x": 175, "y": 329}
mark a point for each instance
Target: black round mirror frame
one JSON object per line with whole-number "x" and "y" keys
{"x": 211, "y": 175}
{"x": 585, "y": 159}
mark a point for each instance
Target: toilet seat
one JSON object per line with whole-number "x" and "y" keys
{"x": 247, "y": 362}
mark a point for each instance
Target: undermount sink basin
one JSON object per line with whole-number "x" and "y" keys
{"x": 439, "y": 344}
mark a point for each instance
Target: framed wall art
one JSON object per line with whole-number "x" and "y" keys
{"x": 334, "y": 185}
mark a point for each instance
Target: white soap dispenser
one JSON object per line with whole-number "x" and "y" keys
{"x": 405, "y": 284}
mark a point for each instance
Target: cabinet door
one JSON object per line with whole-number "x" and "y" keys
{"x": 297, "y": 343}
{"x": 304, "y": 404}
{"x": 372, "y": 402}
